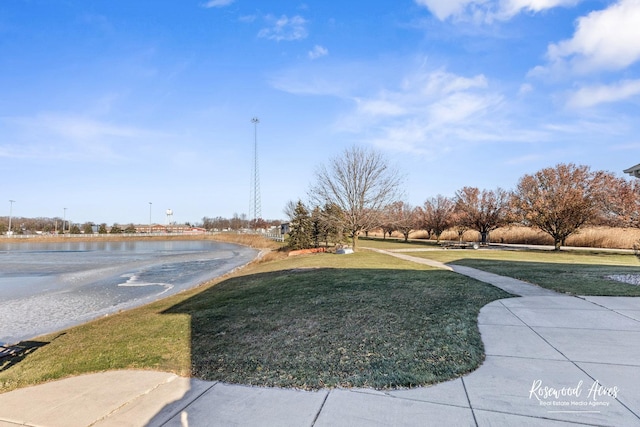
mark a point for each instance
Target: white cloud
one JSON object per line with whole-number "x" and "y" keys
{"x": 510, "y": 8}
{"x": 525, "y": 89}
{"x": 418, "y": 110}
{"x": 488, "y": 10}
{"x": 430, "y": 112}
{"x": 317, "y": 52}
{"x": 285, "y": 28}
{"x": 458, "y": 107}
{"x": 444, "y": 9}
{"x": 217, "y": 3}
{"x": 604, "y": 40}
{"x": 594, "y": 95}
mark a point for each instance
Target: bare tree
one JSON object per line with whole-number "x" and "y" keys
{"x": 360, "y": 183}
{"x": 388, "y": 220}
{"x": 561, "y": 199}
{"x": 290, "y": 209}
{"x": 483, "y": 211}
{"x": 437, "y": 214}
{"x": 458, "y": 223}
{"x": 402, "y": 217}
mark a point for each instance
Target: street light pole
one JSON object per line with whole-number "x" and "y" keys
{"x": 64, "y": 220}
{"x": 255, "y": 208}
{"x": 150, "y": 217}
{"x": 11, "y": 202}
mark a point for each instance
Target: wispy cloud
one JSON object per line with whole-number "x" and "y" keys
{"x": 247, "y": 19}
{"x": 318, "y": 52}
{"x": 632, "y": 146}
{"x": 594, "y": 95}
{"x": 525, "y": 88}
{"x": 217, "y": 3}
{"x": 420, "y": 111}
{"x": 524, "y": 160}
{"x": 444, "y": 9}
{"x": 429, "y": 111}
{"x": 488, "y": 10}
{"x": 285, "y": 28}
{"x": 509, "y": 8}
{"x": 78, "y": 127}
{"x": 322, "y": 79}
{"x": 73, "y": 136}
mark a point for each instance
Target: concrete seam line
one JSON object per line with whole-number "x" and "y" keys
{"x": 466, "y": 393}
{"x": 191, "y": 402}
{"x": 144, "y": 393}
{"x": 315, "y": 419}
{"x": 607, "y": 308}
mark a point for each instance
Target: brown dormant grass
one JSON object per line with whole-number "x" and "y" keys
{"x": 592, "y": 237}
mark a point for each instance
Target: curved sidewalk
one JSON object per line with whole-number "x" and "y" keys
{"x": 552, "y": 360}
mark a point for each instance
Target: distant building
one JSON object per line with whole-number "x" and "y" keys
{"x": 284, "y": 228}
{"x": 634, "y": 171}
{"x": 173, "y": 228}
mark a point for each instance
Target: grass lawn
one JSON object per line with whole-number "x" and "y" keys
{"x": 395, "y": 243}
{"x": 311, "y": 321}
{"x": 365, "y": 320}
{"x": 576, "y": 273}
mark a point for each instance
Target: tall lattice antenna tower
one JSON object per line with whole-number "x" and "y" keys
{"x": 254, "y": 195}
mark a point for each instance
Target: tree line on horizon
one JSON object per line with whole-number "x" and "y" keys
{"x": 42, "y": 225}
{"x": 359, "y": 192}
{"x": 21, "y": 225}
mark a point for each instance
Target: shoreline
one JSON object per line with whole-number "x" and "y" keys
{"x": 63, "y": 324}
{"x": 103, "y": 237}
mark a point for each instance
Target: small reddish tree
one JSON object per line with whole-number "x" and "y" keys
{"x": 560, "y": 200}
{"x": 620, "y": 203}
{"x": 437, "y": 214}
{"x": 483, "y": 211}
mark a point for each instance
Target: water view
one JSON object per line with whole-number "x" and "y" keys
{"x": 45, "y": 287}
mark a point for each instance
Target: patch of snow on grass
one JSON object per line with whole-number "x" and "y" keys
{"x": 632, "y": 279}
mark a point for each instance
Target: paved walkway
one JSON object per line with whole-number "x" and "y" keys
{"x": 552, "y": 360}
{"x": 513, "y": 286}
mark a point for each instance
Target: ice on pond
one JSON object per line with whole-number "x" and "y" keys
{"x": 46, "y": 287}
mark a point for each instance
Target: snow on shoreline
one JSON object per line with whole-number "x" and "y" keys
{"x": 631, "y": 279}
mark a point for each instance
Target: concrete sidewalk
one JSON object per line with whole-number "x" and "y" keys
{"x": 552, "y": 360}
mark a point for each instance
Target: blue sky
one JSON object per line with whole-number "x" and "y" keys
{"x": 106, "y": 106}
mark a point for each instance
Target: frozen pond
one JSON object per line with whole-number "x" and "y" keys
{"x": 45, "y": 287}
